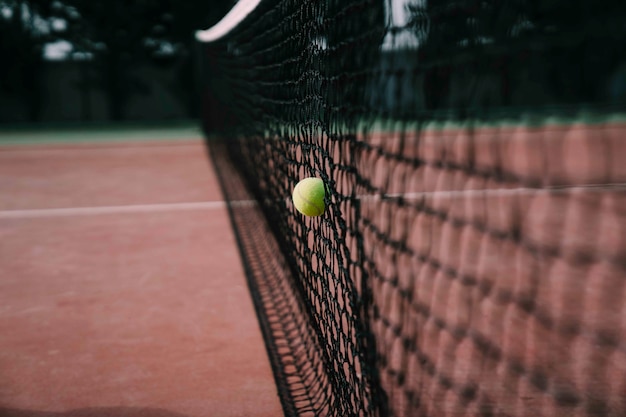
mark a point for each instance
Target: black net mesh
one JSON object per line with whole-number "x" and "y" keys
{"x": 472, "y": 257}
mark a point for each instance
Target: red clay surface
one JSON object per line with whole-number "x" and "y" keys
{"x": 123, "y": 314}
{"x": 34, "y": 177}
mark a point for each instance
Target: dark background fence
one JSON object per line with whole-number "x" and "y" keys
{"x": 74, "y": 61}
{"x": 65, "y": 97}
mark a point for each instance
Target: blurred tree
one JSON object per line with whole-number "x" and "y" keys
{"x": 568, "y": 49}
{"x": 117, "y": 36}
{"x": 182, "y": 19}
{"x": 25, "y": 29}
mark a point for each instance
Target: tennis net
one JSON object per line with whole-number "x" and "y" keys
{"x": 472, "y": 257}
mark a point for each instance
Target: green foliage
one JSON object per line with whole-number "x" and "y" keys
{"x": 121, "y": 34}
{"x": 113, "y": 37}
{"x": 565, "y": 49}
{"x": 24, "y": 30}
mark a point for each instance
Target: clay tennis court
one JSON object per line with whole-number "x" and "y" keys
{"x": 122, "y": 291}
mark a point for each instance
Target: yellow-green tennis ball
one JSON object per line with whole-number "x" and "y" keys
{"x": 308, "y": 197}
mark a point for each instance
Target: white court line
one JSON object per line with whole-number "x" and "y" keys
{"x": 212, "y": 205}
{"x": 138, "y": 208}
{"x": 502, "y": 191}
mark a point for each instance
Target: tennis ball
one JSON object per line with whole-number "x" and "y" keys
{"x": 308, "y": 196}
